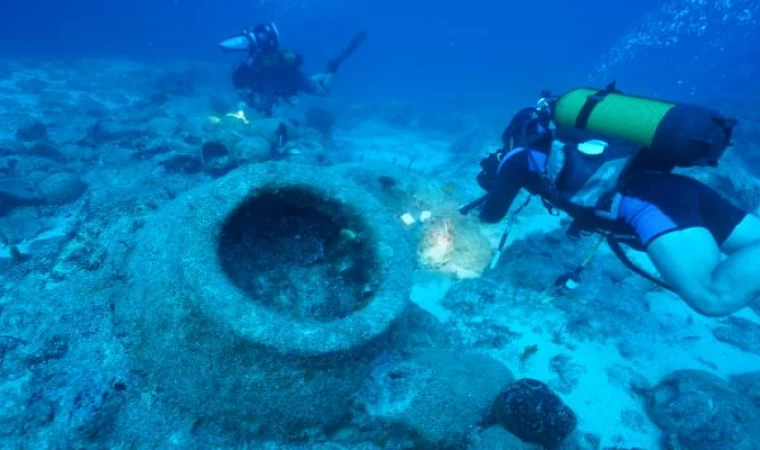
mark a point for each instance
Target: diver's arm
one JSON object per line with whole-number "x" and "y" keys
{"x": 511, "y": 177}
{"x": 319, "y": 84}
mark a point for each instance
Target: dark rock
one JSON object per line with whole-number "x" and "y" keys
{"x": 436, "y": 398}
{"x": 701, "y": 411}
{"x": 34, "y": 131}
{"x": 741, "y": 333}
{"x": 531, "y": 411}
{"x": 748, "y": 385}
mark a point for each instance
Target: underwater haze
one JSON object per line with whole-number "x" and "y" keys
{"x": 483, "y": 51}
{"x": 264, "y": 224}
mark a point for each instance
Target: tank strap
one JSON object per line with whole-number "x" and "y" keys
{"x": 585, "y": 113}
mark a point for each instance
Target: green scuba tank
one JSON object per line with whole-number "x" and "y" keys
{"x": 671, "y": 134}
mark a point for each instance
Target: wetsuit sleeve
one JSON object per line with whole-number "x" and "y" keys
{"x": 511, "y": 177}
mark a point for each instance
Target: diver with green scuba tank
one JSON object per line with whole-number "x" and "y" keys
{"x": 606, "y": 159}
{"x": 270, "y": 75}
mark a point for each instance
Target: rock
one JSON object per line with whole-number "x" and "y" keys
{"x": 741, "y": 333}
{"x": 91, "y": 107}
{"x": 34, "y": 167}
{"x": 108, "y": 130}
{"x": 418, "y": 331}
{"x": 46, "y": 150}
{"x": 216, "y": 158}
{"x": 11, "y": 147}
{"x": 61, "y": 188}
{"x": 436, "y": 398}
{"x": 703, "y": 412}
{"x": 22, "y": 410}
{"x": 32, "y": 131}
{"x": 531, "y": 411}
{"x": 182, "y": 163}
{"x": 162, "y": 126}
{"x": 497, "y": 438}
{"x": 16, "y": 192}
{"x": 748, "y": 385}
{"x": 253, "y": 150}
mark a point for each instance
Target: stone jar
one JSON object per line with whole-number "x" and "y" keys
{"x": 258, "y": 301}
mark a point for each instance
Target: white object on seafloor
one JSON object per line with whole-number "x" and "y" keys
{"x": 408, "y": 219}
{"x": 425, "y": 215}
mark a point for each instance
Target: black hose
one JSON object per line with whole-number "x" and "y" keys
{"x": 465, "y": 209}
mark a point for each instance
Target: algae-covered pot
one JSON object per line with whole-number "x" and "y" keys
{"x": 260, "y": 300}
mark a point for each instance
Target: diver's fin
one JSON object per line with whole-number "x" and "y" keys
{"x": 334, "y": 64}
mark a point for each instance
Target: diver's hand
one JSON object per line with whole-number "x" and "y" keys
{"x": 323, "y": 82}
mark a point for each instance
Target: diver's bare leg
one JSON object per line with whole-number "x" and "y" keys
{"x": 690, "y": 262}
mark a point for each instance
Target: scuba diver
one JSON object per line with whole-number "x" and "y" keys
{"x": 606, "y": 159}
{"x": 270, "y": 74}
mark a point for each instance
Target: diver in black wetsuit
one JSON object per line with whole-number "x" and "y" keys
{"x": 271, "y": 74}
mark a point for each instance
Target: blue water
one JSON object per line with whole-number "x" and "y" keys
{"x": 373, "y": 320}
{"x": 436, "y": 52}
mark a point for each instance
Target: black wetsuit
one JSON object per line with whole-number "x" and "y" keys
{"x": 261, "y": 87}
